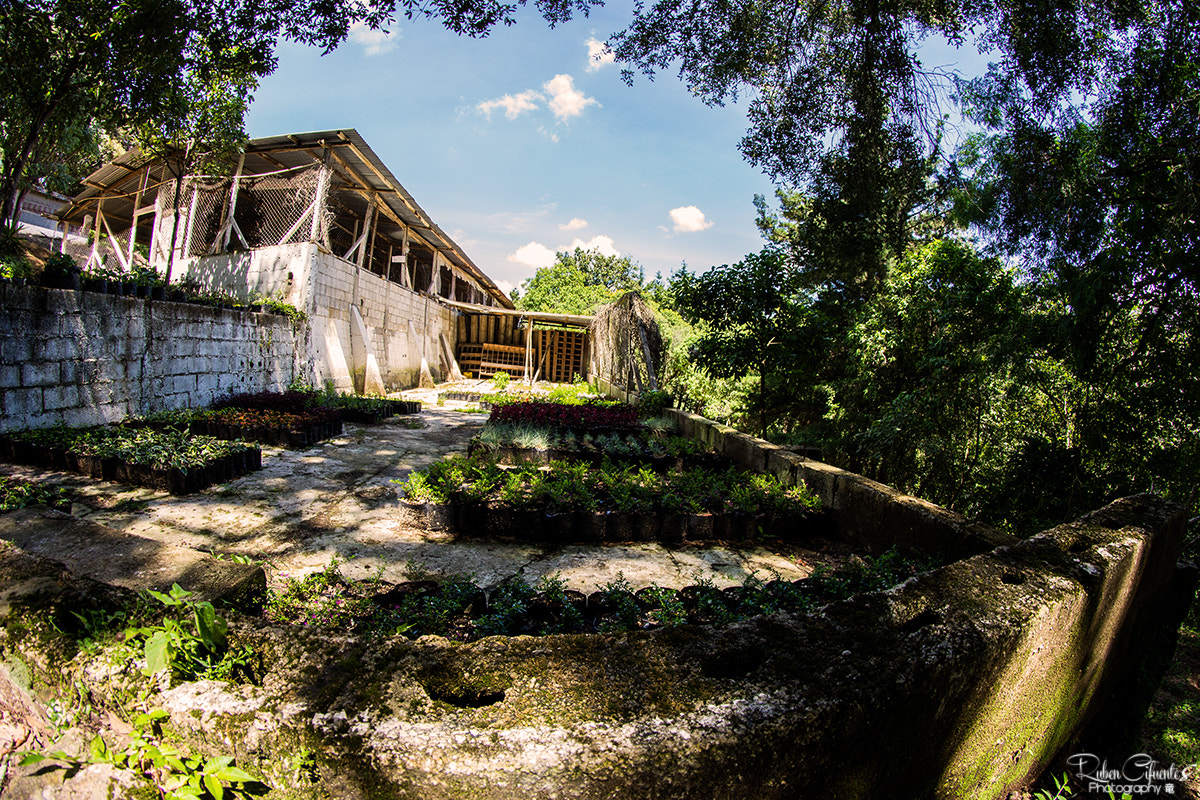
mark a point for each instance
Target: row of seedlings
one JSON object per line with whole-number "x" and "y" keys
{"x": 169, "y": 460}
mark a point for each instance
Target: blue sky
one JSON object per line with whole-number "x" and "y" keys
{"x": 523, "y": 143}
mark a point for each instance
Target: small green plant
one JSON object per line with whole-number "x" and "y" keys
{"x": 625, "y": 611}
{"x": 554, "y": 591}
{"x": 201, "y": 652}
{"x": 666, "y": 607}
{"x": 507, "y": 609}
{"x": 174, "y": 773}
{"x": 322, "y": 599}
{"x": 500, "y": 381}
{"x": 16, "y": 493}
{"x": 1062, "y": 789}
{"x": 275, "y": 305}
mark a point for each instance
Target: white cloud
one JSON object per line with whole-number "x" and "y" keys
{"x": 565, "y": 100}
{"x": 689, "y": 219}
{"x": 521, "y": 221}
{"x": 549, "y": 134}
{"x": 534, "y": 254}
{"x": 598, "y": 55}
{"x": 575, "y": 224}
{"x": 506, "y": 287}
{"x": 373, "y": 42}
{"x": 602, "y": 243}
{"x": 514, "y": 105}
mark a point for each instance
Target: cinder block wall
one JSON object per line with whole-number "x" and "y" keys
{"x": 82, "y": 358}
{"x": 326, "y": 287}
{"x": 386, "y": 309}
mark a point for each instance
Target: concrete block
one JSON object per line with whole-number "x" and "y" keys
{"x": 40, "y": 373}
{"x": 82, "y": 417}
{"x": 745, "y": 450}
{"x": 16, "y": 349}
{"x": 784, "y": 466}
{"x": 56, "y": 398}
{"x": 22, "y": 403}
{"x": 182, "y": 384}
{"x": 62, "y": 348}
{"x": 10, "y": 376}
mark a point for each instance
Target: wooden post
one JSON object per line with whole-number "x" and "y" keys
{"x": 187, "y": 237}
{"x": 125, "y": 264}
{"x": 314, "y": 229}
{"x": 406, "y": 280}
{"x": 137, "y": 202}
{"x": 528, "y": 347}
{"x": 361, "y": 243}
{"x": 95, "y": 233}
{"x": 448, "y": 355}
{"x": 233, "y": 193}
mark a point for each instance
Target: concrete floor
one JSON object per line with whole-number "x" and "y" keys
{"x": 340, "y": 500}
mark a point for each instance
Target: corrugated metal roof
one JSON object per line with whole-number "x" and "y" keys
{"x": 117, "y": 183}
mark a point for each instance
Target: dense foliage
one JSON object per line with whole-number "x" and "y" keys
{"x": 578, "y": 282}
{"x": 1008, "y": 328}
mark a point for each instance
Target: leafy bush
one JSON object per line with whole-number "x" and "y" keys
{"x": 653, "y": 403}
{"x": 191, "y": 641}
{"x": 16, "y": 493}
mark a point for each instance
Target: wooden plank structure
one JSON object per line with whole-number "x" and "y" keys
{"x": 526, "y": 344}
{"x": 326, "y": 187}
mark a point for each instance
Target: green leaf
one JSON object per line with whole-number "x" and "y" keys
{"x": 99, "y": 750}
{"x": 158, "y": 653}
{"x": 235, "y": 775}
{"x": 166, "y": 600}
{"x": 210, "y": 628}
{"x": 214, "y": 787}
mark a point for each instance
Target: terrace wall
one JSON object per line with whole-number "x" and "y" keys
{"x": 82, "y": 358}
{"x": 868, "y": 513}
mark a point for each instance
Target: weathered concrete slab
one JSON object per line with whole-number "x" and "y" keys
{"x": 133, "y": 562}
{"x": 960, "y": 683}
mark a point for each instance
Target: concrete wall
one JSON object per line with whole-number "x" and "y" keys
{"x": 865, "y": 512}
{"x": 82, "y": 358}
{"x": 378, "y": 349}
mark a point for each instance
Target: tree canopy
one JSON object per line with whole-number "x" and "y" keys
{"x": 72, "y": 66}
{"x": 578, "y": 282}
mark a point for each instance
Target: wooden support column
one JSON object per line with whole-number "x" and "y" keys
{"x": 361, "y": 244}
{"x": 448, "y": 355}
{"x": 125, "y": 263}
{"x": 229, "y": 224}
{"x": 528, "y": 348}
{"x": 187, "y": 237}
{"x": 137, "y": 204}
{"x": 95, "y": 233}
{"x": 314, "y": 231}
{"x": 646, "y": 353}
{"x": 405, "y": 276}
